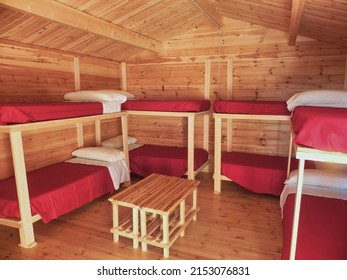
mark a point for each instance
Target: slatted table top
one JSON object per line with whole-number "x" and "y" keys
{"x": 156, "y": 192}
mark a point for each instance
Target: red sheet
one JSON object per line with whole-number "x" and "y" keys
{"x": 322, "y": 228}
{"x": 57, "y": 189}
{"x": 172, "y": 161}
{"x": 31, "y": 112}
{"x": 251, "y": 107}
{"x": 167, "y": 105}
{"x": 321, "y": 128}
{"x": 257, "y": 173}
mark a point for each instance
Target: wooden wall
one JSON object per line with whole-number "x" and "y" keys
{"x": 30, "y": 74}
{"x": 240, "y": 61}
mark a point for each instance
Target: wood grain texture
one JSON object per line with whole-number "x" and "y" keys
{"x": 236, "y": 225}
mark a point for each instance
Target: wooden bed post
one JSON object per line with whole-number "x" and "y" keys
{"x": 98, "y": 132}
{"x": 124, "y": 120}
{"x": 206, "y": 131}
{"x": 217, "y": 154}
{"x": 26, "y": 229}
{"x": 296, "y": 215}
{"x": 191, "y": 119}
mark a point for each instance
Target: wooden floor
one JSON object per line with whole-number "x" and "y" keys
{"x": 237, "y": 224}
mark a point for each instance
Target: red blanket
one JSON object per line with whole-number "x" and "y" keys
{"x": 167, "y": 105}
{"x": 322, "y": 128}
{"x": 32, "y": 112}
{"x": 172, "y": 161}
{"x": 322, "y": 228}
{"x": 56, "y": 189}
{"x": 257, "y": 173}
{"x": 251, "y": 107}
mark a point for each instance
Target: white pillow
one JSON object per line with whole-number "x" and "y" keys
{"x": 95, "y": 95}
{"x": 323, "y": 98}
{"x": 119, "y": 91}
{"x": 117, "y": 142}
{"x": 99, "y": 153}
{"x": 332, "y": 178}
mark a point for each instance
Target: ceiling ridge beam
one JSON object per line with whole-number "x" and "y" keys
{"x": 295, "y": 20}
{"x": 210, "y": 11}
{"x": 66, "y": 15}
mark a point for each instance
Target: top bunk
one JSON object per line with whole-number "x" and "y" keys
{"x": 75, "y": 104}
{"x": 168, "y": 107}
{"x": 19, "y": 113}
{"x": 251, "y": 107}
{"x": 319, "y": 125}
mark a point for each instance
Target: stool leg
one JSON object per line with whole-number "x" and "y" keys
{"x": 115, "y": 222}
{"x": 195, "y": 196}
{"x": 182, "y": 216}
{"x": 165, "y": 218}
{"x": 143, "y": 229}
{"x": 135, "y": 227}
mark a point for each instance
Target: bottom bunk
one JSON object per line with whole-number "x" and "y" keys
{"x": 255, "y": 172}
{"x": 60, "y": 188}
{"x": 172, "y": 161}
{"x": 322, "y": 226}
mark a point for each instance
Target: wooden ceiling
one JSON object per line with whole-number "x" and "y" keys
{"x": 120, "y": 28}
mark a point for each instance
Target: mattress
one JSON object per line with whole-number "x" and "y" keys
{"x": 257, "y": 173}
{"x": 167, "y": 105}
{"x": 57, "y": 189}
{"x": 251, "y": 107}
{"x": 322, "y": 226}
{"x": 15, "y": 113}
{"x": 322, "y": 128}
{"x": 172, "y": 161}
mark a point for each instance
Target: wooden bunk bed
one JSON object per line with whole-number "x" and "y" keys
{"x": 46, "y": 121}
{"x": 191, "y": 160}
{"x": 258, "y": 173}
{"x": 320, "y": 135}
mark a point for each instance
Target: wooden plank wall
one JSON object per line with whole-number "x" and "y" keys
{"x": 246, "y": 62}
{"x": 240, "y": 61}
{"x": 30, "y": 74}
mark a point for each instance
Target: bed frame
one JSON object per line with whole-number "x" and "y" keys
{"x": 25, "y": 224}
{"x": 218, "y": 117}
{"x": 191, "y": 173}
{"x": 303, "y": 154}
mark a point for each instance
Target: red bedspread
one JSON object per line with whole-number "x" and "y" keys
{"x": 321, "y": 128}
{"x": 251, "y": 107}
{"x": 167, "y": 105}
{"x": 172, "y": 161}
{"x": 57, "y": 189}
{"x": 257, "y": 173}
{"x": 322, "y": 228}
{"x": 32, "y": 112}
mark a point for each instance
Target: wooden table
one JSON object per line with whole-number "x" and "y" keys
{"x": 161, "y": 208}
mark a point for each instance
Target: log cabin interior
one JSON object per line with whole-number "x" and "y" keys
{"x": 249, "y": 51}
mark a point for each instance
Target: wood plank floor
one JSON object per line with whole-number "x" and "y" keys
{"x": 237, "y": 224}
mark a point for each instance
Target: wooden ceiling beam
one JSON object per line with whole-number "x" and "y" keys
{"x": 209, "y": 10}
{"x": 295, "y": 20}
{"x": 63, "y": 14}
